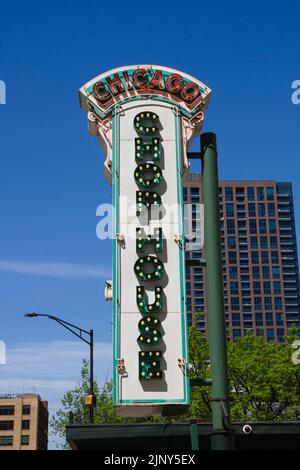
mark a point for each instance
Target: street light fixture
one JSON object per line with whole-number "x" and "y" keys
{"x": 90, "y": 400}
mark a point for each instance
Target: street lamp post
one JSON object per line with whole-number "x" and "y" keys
{"x": 79, "y": 332}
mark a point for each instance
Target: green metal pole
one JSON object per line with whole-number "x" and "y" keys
{"x": 194, "y": 436}
{"x": 222, "y": 438}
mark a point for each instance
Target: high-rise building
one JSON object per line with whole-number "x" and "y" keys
{"x": 23, "y": 422}
{"x": 260, "y": 263}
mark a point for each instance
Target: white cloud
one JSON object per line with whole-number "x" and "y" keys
{"x": 51, "y": 368}
{"x": 53, "y": 269}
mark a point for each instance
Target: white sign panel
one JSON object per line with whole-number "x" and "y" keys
{"x": 145, "y": 125}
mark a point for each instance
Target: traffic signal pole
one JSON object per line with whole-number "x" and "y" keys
{"x": 222, "y": 437}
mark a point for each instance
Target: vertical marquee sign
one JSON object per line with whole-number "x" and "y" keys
{"x": 145, "y": 118}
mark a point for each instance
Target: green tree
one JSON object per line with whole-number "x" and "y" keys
{"x": 264, "y": 385}
{"x": 74, "y": 402}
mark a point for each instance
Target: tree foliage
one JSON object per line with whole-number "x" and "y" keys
{"x": 264, "y": 385}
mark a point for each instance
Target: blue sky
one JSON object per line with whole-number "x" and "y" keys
{"x": 52, "y": 171}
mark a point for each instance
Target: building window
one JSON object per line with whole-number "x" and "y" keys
{"x": 274, "y": 256}
{"x": 254, "y": 242}
{"x": 26, "y": 408}
{"x": 257, "y": 303}
{"x": 272, "y": 226}
{"x": 236, "y": 333}
{"x": 265, "y": 257}
{"x": 25, "y": 424}
{"x": 6, "y": 425}
{"x": 234, "y": 288}
{"x": 232, "y": 257}
{"x": 6, "y": 440}
{"x": 251, "y": 194}
{"x": 268, "y": 303}
{"x": 263, "y": 242}
{"x": 273, "y": 241}
{"x": 6, "y": 410}
{"x": 25, "y": 440}
{"x": 267, "y": 288}
{"x": 270, "y": 335}
{"x": 270, "y": 194}
{"x": 253, "y": 226}
{"x": 233, "y": 272}
{"x": 260, "y": 194}
{"x": 276, "y": 272}
{"x": 261, "y": 209}
{"x": 231, "y": 242}
{"x": 255, "y": 272}
{"x": 271, "y": 209}
{"x": 254, "y": 256}
{"x": 228, "y": 194}
{"x": 266, "y": 272}
{"x": 262, "y": 226}
{"x": 251, "y": 209}
{"x": 230, "y": 226}
{"x": 277, "y": 288}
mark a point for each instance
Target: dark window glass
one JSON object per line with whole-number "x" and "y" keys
{"x": 6, "y": 440}
{"x": 255, "y": 272}
{"x": 253, "y": 226}
{"x": 25, "y": 424}
{"x": 257, "y": 303}
{"x": 228, "y": 194}
{"x": 234, "y": 288}
{"x": 25, "y": 440}
{"x": 261, "y": 210}
{"x": 236, "y": 333}
{"x": 6, "y": 425}
{"x": 251, "y": 209}
{"x": 231, "y": 242}
{"x": 229, "y": 210}
{"x": 267, "y": 287}
{"x": 251, "y": 193}
{"x": 277, "y": 287}
{"x": 273, "y": 241}
{"x": 266, "y": 272}
{"x": 271, "y": 209}
{"x": 265, "y": 257}
{"x": 26, "y": 408}
{"x": 274, "y": 255}
{"x": 254, "y": 243}
{"x": 268, "y": 303}
{"x": 232, "y": 257}
{"x": 275, "y": 272}
{"x": 272, "y": 226}
{"x": 230, "y": 226}
{"x": 256, "y": 286}
{"x": 262, "y": 226}
{"x": 260, "y": 194}
{"x": 264, "y": 242}
{"x": 270, "y": 194}
{"x": 254, "y": 256}
{"x": 6, "y": 410}
{"x": 232, "y": 272}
